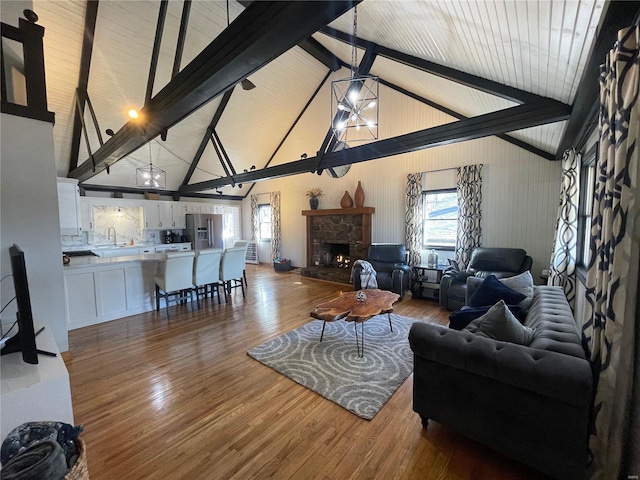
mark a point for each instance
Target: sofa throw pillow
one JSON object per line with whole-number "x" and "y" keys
{"x": 491, "y": 291}
{"x": 522, "y": 283}
{"x": 500, "y": 324}
{"x": 463, "y": 317}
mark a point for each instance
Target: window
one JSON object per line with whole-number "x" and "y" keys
{"x": 585, "y": 206}
{"x": 231, "y": 222}
{"x": 440, "y": 221}
{"x": 264, "y": 220}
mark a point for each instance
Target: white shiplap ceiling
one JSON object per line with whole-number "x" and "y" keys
{"x": 536, "y": 46}
{"x": 540, "y": 47}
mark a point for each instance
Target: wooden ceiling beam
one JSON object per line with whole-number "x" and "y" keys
{"x": 157, "y": 41}
{"x": 514, "y": 118}
{"x": 90, "y": 17}
{"x": 207, "y": 136}
{"x": 261, "y": 33}
{"x": 507, "y": 138}
{"x": 182, "y": 35}
{"x": 488, "y": 86}
{"x": 320, "y": 53}
{"x": 293, "y": 125}
{"x": 169, "y": 193}
{"x": 313, "y": 48}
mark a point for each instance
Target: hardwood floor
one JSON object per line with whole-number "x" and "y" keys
{"x": 181, "y": 399}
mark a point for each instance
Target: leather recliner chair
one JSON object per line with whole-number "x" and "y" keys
{"x": 390, "y": 262}
{"x": 501, "y": 262}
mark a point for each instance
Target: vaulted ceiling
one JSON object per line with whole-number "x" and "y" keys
{"x": 518, "y": 64}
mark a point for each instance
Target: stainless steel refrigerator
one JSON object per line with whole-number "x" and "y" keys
{"x": 204, "y": 230}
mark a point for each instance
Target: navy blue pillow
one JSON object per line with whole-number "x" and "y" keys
{"x": 491, "y": 291}
{"x": 463, "y": 317}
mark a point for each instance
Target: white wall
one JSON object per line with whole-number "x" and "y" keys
{"x": 520, "y": 189}
{"x": 12, "y": 10}
{"x": 29, "y": 218}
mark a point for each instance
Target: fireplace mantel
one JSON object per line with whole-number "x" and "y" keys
{"x": 340, "y": 211}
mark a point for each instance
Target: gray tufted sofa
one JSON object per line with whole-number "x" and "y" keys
{"x": 531, "y": 403}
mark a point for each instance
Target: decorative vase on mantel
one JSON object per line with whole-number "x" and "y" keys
{"x": 346, "y": 201}
{"x": 313, "y": 203}
{"x": 359, "y": 196}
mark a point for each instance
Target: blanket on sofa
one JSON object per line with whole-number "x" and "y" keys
{"x": 367, "y": 275}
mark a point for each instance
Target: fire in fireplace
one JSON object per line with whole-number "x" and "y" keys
{"x": 337, "y": 255}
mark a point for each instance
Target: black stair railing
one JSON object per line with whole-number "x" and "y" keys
{"x": 23, "y": 87}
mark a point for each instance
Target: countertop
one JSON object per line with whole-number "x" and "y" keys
{"x": 87, "y": 262}
{"x": 109, "y": 246}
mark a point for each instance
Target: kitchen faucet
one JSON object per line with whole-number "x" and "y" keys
{"x": 115, "y": 239}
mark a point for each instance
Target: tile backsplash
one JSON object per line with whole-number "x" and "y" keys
{"x": 126, "y": 221}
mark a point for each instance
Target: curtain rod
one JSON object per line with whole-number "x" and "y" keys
{"x": 440, "y": 170}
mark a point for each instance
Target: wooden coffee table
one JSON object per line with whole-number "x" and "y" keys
{"x": 347, "y": 307}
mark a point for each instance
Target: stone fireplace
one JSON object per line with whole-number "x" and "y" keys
{"x": 336, "y": 238}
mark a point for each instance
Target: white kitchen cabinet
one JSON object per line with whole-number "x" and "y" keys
{"x": 172, "y": 247}
{"x": 193, "y": 208}
{"x": 151, "y": 215}
{"x": 167, "y": 248}
{"x": 165, "y": 215}
{"x": 121, "y": 251}
{"x": 68, "y": 206}
{"x": 179, "y": 215}
{"x": 80, "y": 288}
{"x": 86, "y": 214}
{"x": 111, "y": 292}
{"x": 207, "y": 208}
{"x": 139, "y": 286}
{"x": 145, "y": 250}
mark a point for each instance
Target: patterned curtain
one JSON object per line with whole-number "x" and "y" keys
{"x": 255, "y": 221}
{"x": 562, "y": 270}
{"x": 469, "y": 189}
{"x": 413, "y": 218}
{"x": 276, "y": 231}
{"x": 609, "y": 328}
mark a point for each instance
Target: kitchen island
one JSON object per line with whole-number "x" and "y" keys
{"x": 102, "y": 289}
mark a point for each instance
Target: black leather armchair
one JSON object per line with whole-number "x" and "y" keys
{"x": 501, "y": 262}
{"x": 391, "y": 265}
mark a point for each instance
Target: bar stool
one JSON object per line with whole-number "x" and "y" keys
{"x": 245, "y": 244}
{"x": 231, "y": 268}
{"x": 176, "y": 279}
{"x": 206, "y": 272}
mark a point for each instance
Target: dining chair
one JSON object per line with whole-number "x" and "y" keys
{"x": 206, "y": 272}
{"x": 245, "y": 244}
{"x": 175, "y": 278}
{"x": 231, "y": 268}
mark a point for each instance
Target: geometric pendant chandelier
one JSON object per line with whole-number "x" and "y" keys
{"x": 354, "y": 101}
{"x": 354, "y": 108}
{"x": 151, "y": 177}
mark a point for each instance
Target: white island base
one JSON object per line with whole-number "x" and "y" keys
{"x": 102, "y": 289}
